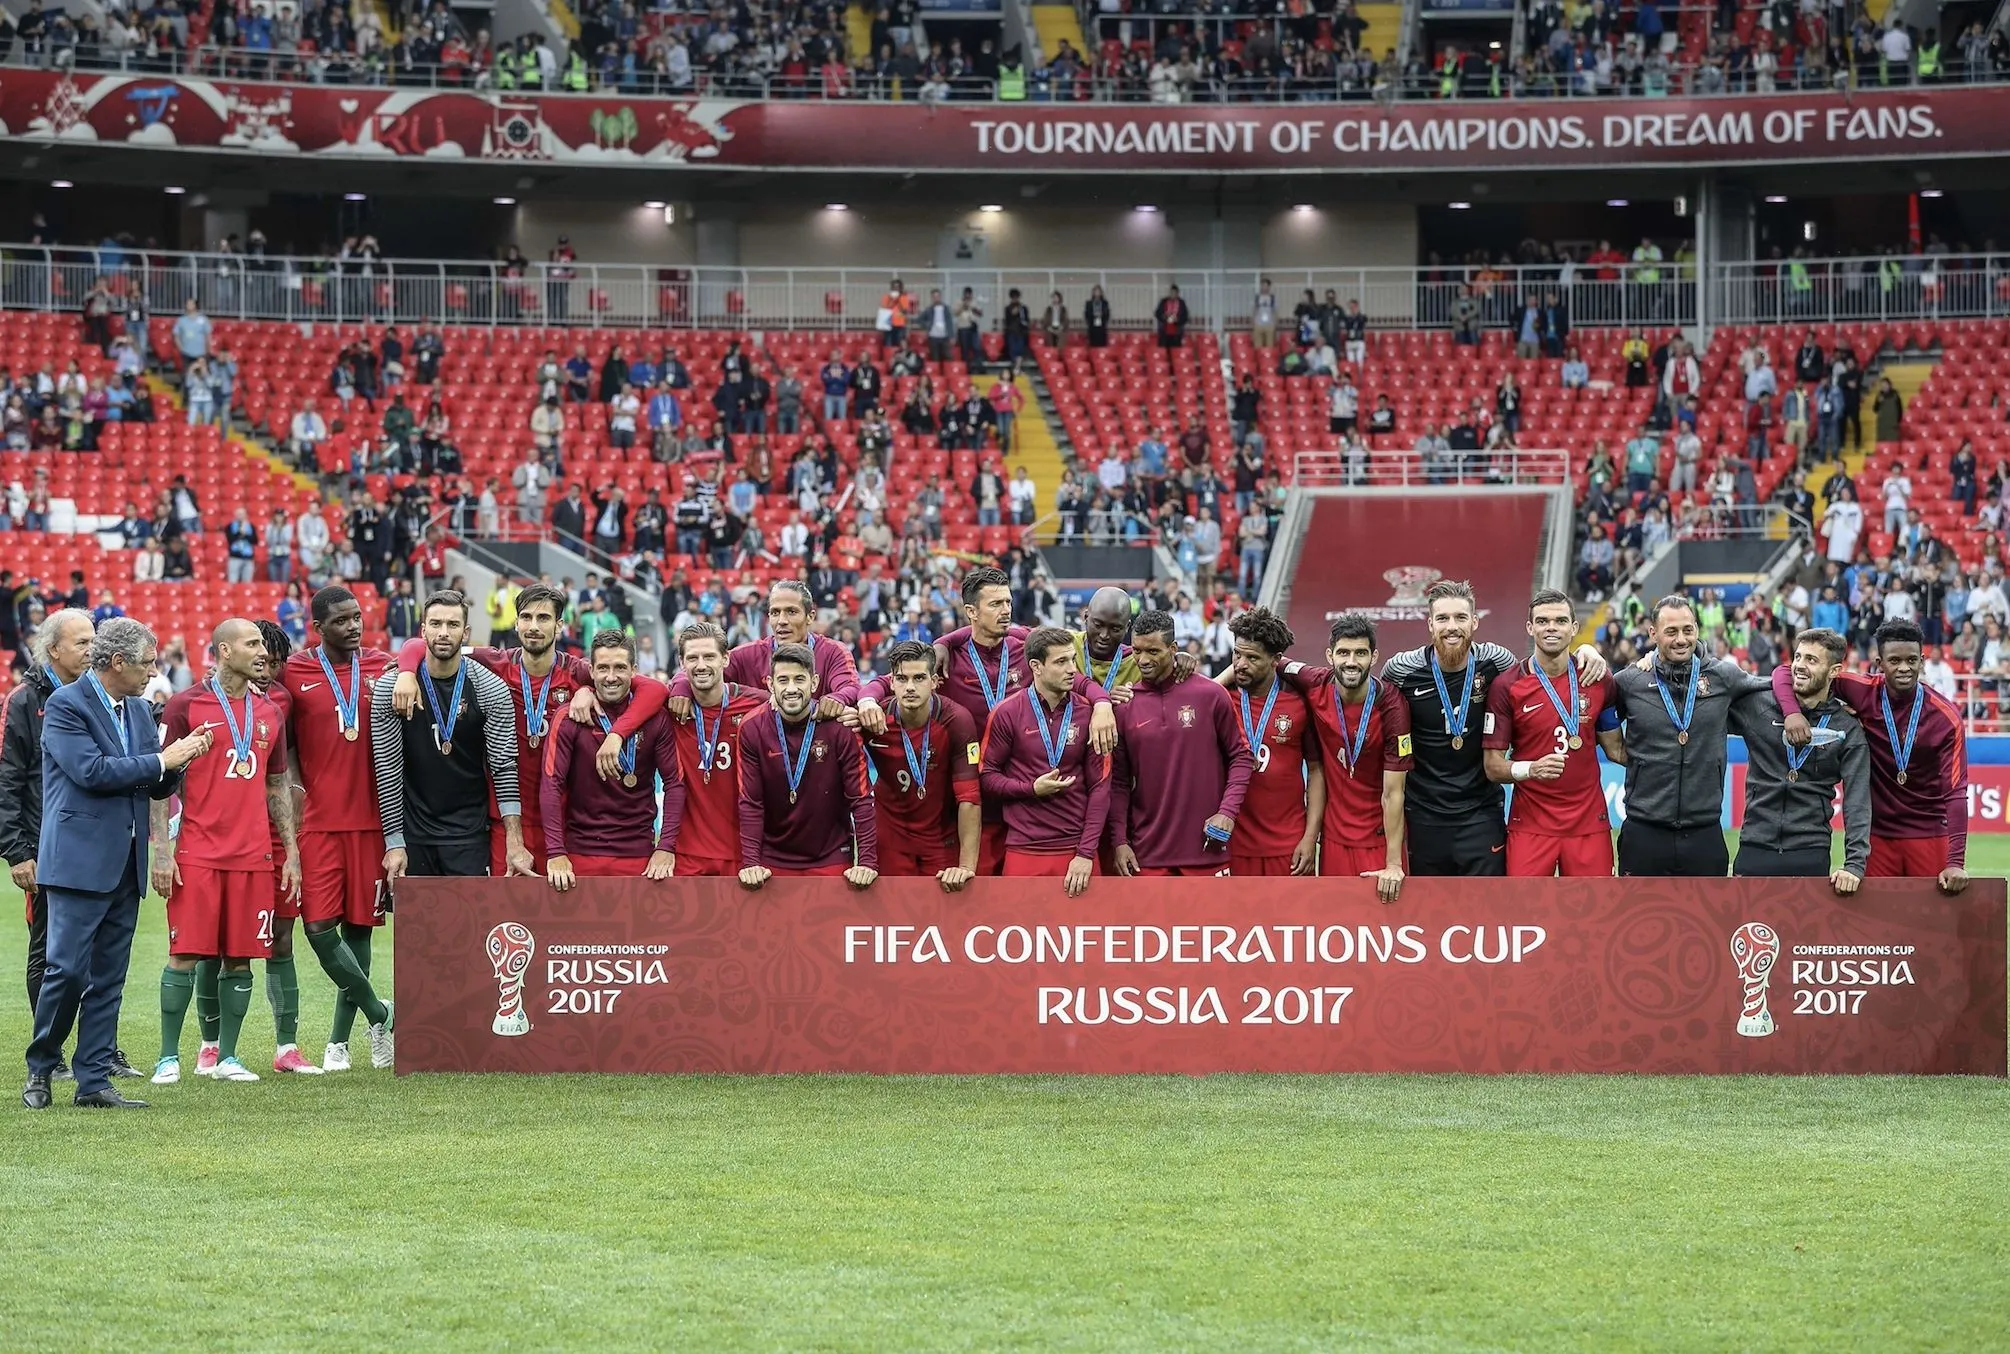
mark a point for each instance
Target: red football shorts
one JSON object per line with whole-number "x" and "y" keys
{"x": 991, "y": 849}
{"x": 908, "y": 864}
{"x": 608, "y": 867}
{"x": 1260, "y": 867}
{"x": 221, "y": 913}
{"x": 533, "y": 840}
{"x": 1041, "y": 864}
{"x": 342, "y": 877}
{"x": 1907, "y": 857}
{"x": 813, "y": 872}
{"x": 1339, "y": 862}
{"x": 1179, "y": 872}
{"x": 701, "y": 867}
{"x": 1534, "y": 855}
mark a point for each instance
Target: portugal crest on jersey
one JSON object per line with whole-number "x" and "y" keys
{"x": 1186, "y": 716}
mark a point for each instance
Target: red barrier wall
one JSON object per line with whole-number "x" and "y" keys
{"x": 1654, "y": 976}
{"x": 1377, "y": 553}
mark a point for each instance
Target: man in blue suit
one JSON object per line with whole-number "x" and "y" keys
{"x": 101, "y": 763}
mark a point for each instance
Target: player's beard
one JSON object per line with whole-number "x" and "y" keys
{"x": 537, "y": 648}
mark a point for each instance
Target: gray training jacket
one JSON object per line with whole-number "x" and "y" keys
{"x": 1670, "y": 784}
{"x": 1793, "y": 815}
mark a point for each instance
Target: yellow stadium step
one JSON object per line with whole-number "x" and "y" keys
{"x": 1385, "y": 27}
{"x": 858, "y": 31}
{"x": 1055, "y": 24}
{"x": 567, "y": 21}
{"x": 1037, "y": 448}
{"x": 166, "y": 395}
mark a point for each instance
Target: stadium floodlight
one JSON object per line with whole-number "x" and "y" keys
{"x": 174, "y": 191}
{"x": 1616, "y": 202}
{"x": 1460, "y": 206}
{"x": 654, "y": 206}
{"x": 1304, "y": 207}
{"x": 1146, "y": 207}
{"x": 1776, "y": 198}
{"x": 61, "y": 183}
{"x": 836, "y": 207}
{"x": 355, "y": 197}
{"x": 991, "y": 207}
{"x": 504, "y": 201}
{"x": 1930, "y": 192}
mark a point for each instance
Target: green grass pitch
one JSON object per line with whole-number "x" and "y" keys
{"x": 354, "y": 1213}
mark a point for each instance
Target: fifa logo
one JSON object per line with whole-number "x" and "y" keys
{"x": 510, "y": 947}
{"x": 1755, "y": 947}
{"x": 1409, "y": 583}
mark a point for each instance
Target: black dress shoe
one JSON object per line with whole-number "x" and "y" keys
{"x": 35, "y": 1095}
{"x": 122, "y": 1066}
{"x": 62, "y": 1072}
{"x": 108, "y": 1099}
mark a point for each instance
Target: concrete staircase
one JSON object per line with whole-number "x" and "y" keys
{"x": 1039, "y": 450}
{"x": 1907, "y": 378}
{"x": 1053, "y": 23}
{"x": 168, "y": 396}
{"x": 1385, "y": 27}
{"x": 858, "y": 31}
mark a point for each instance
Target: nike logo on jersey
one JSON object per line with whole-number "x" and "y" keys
{"x": 1531, "y": 709}
{"x": 306, "y": 687}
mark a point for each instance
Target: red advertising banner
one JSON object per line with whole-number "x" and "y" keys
{"x": 1186, "y": 976}
{"x": 609, "y": 128}
{"x": 1397, "y": 545}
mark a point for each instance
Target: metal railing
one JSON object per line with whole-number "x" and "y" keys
{"x": 1984, "y": 700}
{"x": 1361, "y": 468}
{"x": 636, "y": 296}
{"x": 1869, "y": 287}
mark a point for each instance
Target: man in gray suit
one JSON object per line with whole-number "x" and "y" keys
{"x": 101, "y": 763}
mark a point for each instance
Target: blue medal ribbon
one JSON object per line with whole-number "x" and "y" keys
{"x": 1456, "y": 727}
{"x": 1681, "y": 721}
{"x": 1798, "y": 757}
{"x": 1255, "y": 729}
{"x": 1567, "y": 713}
{"x": 345, "y": 706}
{"x": 919, "y": 768}
{"x": 1352, "y": 755}
{"x": 240, "y": 739}
{"x": 629, "y": 747}
{"x": 116, "y": 710}
{"x": 443, "y": 725}
{"x": 802, "y": 762}
{"x": 534, "y": 723}
{"x": 992, "y": 695}
{"x": 54, "y": 681}
{"x": 1901, "y": 752}
{"x": 1109, "y": 673}
{"x": 708, "y": 743}
{"x": 1055, "y": 743}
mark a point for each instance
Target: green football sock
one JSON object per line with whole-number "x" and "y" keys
{"x": 351, "y": 982}
{"x": 282, "y": 989}
{"x": 233, "y": 992}
{"x": 205, "y": 997}
{"x": 177, "y": 991}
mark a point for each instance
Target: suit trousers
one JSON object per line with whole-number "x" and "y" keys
{"x": 90, "y": 944}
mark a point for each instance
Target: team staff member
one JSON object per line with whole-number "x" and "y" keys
{"x": 1055, "y": 787}
{"x": 1365, "y": 749}
{"x": 1182, "y": 765}
{"x": 330, "y": 729}
{"x": 1789, "y": 790}
{"x": 789, "y": 611}
{"x": 925, "y": 793}
{"x": 597, "y": 827}
{"x": 437, "y": 768}
{"x": 1545, "y": 725}
{"x": 101, "y": 764}
{"x": 1675, "y": 708}
{"x": 805, "y": 806}
{"x": 1100, "y": 651}
{"x": 708, "y": 754}
{"x": 1278, "y": 833}
{"x": 1918, "y": 761}
{"x": 61, "y": 649}
{"x": 981, "y": 664}
{"x": 219, "y": 876}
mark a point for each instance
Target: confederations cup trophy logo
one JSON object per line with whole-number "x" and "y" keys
{"x": 510, "y": 947}
{"x": 1408, "y": 583}
{"x": 1755, "y": 947}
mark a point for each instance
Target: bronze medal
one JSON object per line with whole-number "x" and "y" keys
{"x": 1458, "y": 741}
{"x": 446, "y": 747}
{"x": 629, "y": 780}
{"x": 1576, "y": 742}
{"x": 792, "y": 796}
{"x": 350, "y": 733}
{"x": 1901, "y": 778}
{"x": 1793, "y": 775}
{"x": 1683, "y": 738}
{"x": 534, "y": 739}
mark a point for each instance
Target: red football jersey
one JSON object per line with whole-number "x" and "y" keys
{"x": 1273, "y": 811}
{"x": 335, "y": 776}
{"x": 1524, "y": 722}
{"x": 711, "y": 827}
{"x": 1354, "y": 790}
{"x": 224, "y": 822}
{"x": 925, "y": 822}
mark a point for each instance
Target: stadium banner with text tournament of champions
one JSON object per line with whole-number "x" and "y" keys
{"x": 1200, "y": 976}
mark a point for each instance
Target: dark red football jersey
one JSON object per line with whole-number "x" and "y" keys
{"x": 1524, "y": 722}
